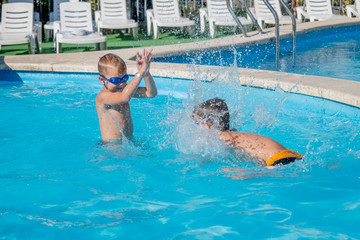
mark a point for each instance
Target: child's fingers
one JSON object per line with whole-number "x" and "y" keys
{"x": 149, "y": 52}
{"x": 146, "y": 54}
{"x": 137, "y": 55}
{"x": 143, "y": 54}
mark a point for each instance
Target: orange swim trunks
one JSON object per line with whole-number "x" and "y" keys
{"x": 283, "y": 157}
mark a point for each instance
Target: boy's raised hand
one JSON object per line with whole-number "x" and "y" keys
{"x": 143, "y": 62}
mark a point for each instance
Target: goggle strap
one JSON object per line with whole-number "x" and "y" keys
{"x": 105, "y": 84}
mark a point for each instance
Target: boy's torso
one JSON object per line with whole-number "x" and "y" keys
{"x": 115, "y": 121}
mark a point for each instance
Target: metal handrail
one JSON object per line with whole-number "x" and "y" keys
{"x": 253, "y": 19}
{"x": 277, "y": 36}
{"x": 232, "y": 12}
{"x": 293, "y": 24}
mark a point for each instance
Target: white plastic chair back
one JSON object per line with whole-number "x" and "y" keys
{"x": 113, "y": 10}
{"x": 261, "y": 10}
{"x": 75, "y": 16}
{"x": 218, "y": 9}
{"x": 17, "y": 17}
{"x": 36, "y": 14}
{"x": 56, "y": 9}
{"x": 166, "y": 9}
{"x": 318, "y": 7}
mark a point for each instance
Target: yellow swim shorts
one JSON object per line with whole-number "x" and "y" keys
{"x": 283, "y": 157}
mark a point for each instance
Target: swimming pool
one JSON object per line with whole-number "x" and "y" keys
{"x": 331, "y": 53}
{"x": 59, "y": 182}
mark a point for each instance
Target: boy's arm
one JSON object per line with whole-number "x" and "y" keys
{"x": 143, "y": 66}
{"x": 120, "y": 97}
{"x": 150, "y": 90}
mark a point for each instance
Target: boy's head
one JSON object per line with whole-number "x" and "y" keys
{"x": 112, "y": 70}
{"x": 214, "y": 113}
{"x": 110, "y": 62}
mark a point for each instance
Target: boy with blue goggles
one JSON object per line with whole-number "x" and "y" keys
{"x": 112, "y": 103}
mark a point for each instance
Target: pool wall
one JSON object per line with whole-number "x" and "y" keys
{"x": 345, "y": 91}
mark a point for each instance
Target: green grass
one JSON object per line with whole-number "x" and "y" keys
{"x": 114, "y": 41}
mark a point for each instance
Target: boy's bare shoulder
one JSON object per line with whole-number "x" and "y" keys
{"x": 100, "y": 97}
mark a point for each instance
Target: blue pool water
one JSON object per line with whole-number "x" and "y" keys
{"x": 330, "y": 53}
{"x": 173, "y": 180}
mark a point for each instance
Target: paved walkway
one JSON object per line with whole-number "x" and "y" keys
{"x": 345, "y": 91}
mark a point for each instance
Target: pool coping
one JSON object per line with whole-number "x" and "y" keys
{"x": 344, "y": 91}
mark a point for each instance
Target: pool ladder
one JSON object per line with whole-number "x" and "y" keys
{"x": 233, "y": 14}
{"x": 276, "y": 17}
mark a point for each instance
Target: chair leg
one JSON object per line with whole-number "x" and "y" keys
{"x": 189, "y": 29}
{"x": 156, "y": 31}
{"x": 202, "y": 23}
{"x": 135, "y": 33}
{"x": 149, "y": 29}
{"x": 148, "y": 24}
{"x": 48, "y": 33}
{"x": 32, "y": 43}
{"x": 348, "y": 13}
{"x": 212, "y": 29}
{"x": 55, "y": 41}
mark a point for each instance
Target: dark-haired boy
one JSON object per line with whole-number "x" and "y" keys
{"x": 214, "y": 114}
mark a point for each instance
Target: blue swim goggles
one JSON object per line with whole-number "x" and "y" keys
{"x": 116, "y": 80}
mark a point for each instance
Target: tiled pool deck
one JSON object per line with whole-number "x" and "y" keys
{"x": 345, "y": 91}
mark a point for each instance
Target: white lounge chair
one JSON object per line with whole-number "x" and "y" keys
{"x": 17, "y": 25}
{"x": 53, "y": 16}
{"x": 264, "y": 16}
{"x": 353, "y": 10}
{"x": 165, "y": 13}
{"x": 112, "y": 15}
{"x": 76, "y": 27}
{"x": 217, "y": 14}
{"x": 317, "y": 10}
{"x": 36, "y": 21}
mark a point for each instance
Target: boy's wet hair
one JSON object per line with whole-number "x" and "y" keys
{"x": 215, "y": 112}
{"x": 109, "y": 60}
